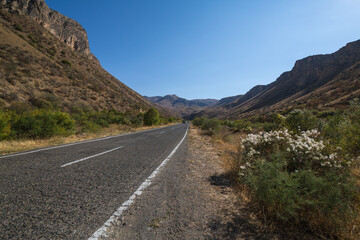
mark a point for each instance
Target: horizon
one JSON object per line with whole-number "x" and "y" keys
{"x": 209, "y": 49}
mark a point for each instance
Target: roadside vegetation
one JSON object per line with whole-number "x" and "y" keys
{"x": 21, "y": 122}
{"x": 299, "y": 168}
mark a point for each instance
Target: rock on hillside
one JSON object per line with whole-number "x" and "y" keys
{"x": 66, "y": 29}
{"x": 45, "y": 57}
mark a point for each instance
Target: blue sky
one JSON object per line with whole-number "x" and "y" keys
{"x": 209, "y": 48}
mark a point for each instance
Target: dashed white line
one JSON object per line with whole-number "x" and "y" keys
{"x": 102, "y": 231}
{"x": 96, "y": 155}
{"x": 162, "y": 132}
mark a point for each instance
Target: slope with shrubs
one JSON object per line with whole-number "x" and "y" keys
{"x": 17, "y": 127}
{"x": 316, "y": 82}
{"x": 36, "y": 66}
{"x": 299, "y": 168}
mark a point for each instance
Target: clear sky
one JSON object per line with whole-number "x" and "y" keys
{"x": 209, "y": 48}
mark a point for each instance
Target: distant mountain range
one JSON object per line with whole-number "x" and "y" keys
{"x": 181, "y": 106}
{"x": 317, "y": 82}
{"x": 45, "y": 56}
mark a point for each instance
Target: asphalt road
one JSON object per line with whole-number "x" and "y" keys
{"x": 69, "y": 192}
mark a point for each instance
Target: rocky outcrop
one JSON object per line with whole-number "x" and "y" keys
{"x": 66, "y": 29}
{"x": 319, "y": 81}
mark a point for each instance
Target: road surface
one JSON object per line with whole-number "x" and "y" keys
{"x": 70, "y": 191}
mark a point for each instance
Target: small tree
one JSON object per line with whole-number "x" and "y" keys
{"x": 151, "y": 117}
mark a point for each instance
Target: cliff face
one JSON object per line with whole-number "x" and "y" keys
{"x": 38, "y": 65}
{"x": 66, "y": 29}
{"x": 319, "y": 81}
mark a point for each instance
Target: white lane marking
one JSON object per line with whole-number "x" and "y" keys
{"x": 101, "y": 232}
{"x": 76, "y": 143}
{"x": 96, "y": 155}
{"x": 162, "y": 132}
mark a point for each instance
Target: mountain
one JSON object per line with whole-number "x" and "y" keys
{"x": 45, "y": 56}
{"x": 319, "y": 81}
{"x": 181, "y": 106}
{"x": 224, "y": 101}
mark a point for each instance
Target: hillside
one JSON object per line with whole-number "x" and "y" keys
{"x": 45, "y": 57}
{"x": 319, "y": 82}
{"x": 181, "y": 106}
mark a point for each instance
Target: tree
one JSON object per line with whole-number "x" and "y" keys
{"x": 151, "y": 117}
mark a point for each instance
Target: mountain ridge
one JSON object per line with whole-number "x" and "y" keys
{"x": 37, "y": 66}
{"x": 66, "y": 29}
{"x": 312, "y": 82}
{"x": 179, "y": 105}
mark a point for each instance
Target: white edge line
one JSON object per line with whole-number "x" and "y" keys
{"x": 76, "y": 143}
{"x": 101, "y": 232}
{"x": 83, "y": 159}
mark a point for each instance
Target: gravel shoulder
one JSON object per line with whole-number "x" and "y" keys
{"x": 192, "y": 198}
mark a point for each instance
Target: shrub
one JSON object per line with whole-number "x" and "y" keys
{"x": 87, "y": 126}
{"x": 297, "y": 178}
{"x": 5, "y": 128}
{"x": 243, "y": 125}
{"x": 211, "y": 126}
{"x": 151, "y": 117}
{"x": 18, "y": 28}
{"x": 137, "y": 121}
{"x": 42, "y": 124}
{"x": 343, "y": 130}
{"x": 198, "y": 121}
{"x": 301, "y": 120}
{"x": 66, "y": 63}
{"x": 64, "y": 124}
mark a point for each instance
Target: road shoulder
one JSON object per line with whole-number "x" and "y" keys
{"x": 191, "y": 198}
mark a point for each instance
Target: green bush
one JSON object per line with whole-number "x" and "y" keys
{"x": 211, "y": 126}
{"x": 151, "y": 117}
{"x": 66, "y": 62}
{"x": 137, "y": 121}
{"x": 297, "y": 178}
{"x": 301, "y": 196}
{"x": 5, "y": 129}
{"x": 198, "y": 121}
{"x": 243, "y": 125}
{"x": 18, "y": 28}
{"x": 301, "y": 120}
{"x": 87, "y": 126}
{"x": 343, "y": 130}
{"x": 42, "y": 124}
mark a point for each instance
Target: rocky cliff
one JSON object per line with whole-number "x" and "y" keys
{"x": 45, "y": 59}
{"x": 66, "y": 29}
{"x": 319, "y": 81}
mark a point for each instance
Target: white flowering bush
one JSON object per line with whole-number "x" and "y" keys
{"x": 297, "y": 177}
{"x": 302, "y": 151}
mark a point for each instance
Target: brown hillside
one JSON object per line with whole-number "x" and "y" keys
{"x": 319, "y": 82}
{"x": 36, "y": 65}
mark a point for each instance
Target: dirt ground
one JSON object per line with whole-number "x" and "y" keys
{"x": 192, "y": 198}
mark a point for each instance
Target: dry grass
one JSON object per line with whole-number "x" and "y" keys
{"x": 228, "y": 144}
{"x": 7, "y": 147}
